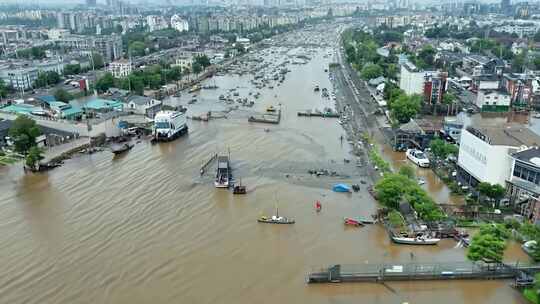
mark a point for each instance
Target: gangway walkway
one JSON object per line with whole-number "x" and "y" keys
{"x": 422, "y": 271}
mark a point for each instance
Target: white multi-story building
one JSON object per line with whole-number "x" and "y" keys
{"x": 411, "y": 79}
{"x": 492, "y": 100}
{"x": 179, "y": 24}
{"x": 120, "y": 68}
{"x": 484, "y": 152}
{"x": 184, "y": 62}
{"x": 58, "y": 33}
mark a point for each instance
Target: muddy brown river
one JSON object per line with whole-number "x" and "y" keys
{"x": 145, "y": 227}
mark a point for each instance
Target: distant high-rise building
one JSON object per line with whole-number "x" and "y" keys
{"x": 91, "y": 3}
{"x": 506, "y": 7}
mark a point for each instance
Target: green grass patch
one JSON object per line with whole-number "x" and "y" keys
{"x": 531, "y": 295}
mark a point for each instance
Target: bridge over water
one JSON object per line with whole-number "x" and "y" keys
{"x": 522, "y": 272}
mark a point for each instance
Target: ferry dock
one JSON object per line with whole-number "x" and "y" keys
{"x": 269, "y": 118}
{"x": 523, "y": 273}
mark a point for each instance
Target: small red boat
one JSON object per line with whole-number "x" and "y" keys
{"x": 318, "y": 206}
{"x": 352, "y": 222}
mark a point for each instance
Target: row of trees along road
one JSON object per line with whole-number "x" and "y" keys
{"x": 152, "y": 77}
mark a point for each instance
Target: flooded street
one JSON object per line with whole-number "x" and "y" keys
{"x": 145, "y": 227}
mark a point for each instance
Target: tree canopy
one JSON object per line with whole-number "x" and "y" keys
{"x": 486, "y": 247}
{"x": 35, "y": 154}
{"x": 404, "y": 107}
{"x": 393, "y": 189}
{"x": 62, "y": 95}
{"x": 371, "y": 70}
{"x": 23, "y": 133}
{"x": 442, "y": 149}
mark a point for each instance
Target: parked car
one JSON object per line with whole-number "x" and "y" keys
{"x": 418, "y": 157}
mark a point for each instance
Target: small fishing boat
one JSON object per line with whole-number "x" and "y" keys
{"x": 420, "y": 239}
{"x": 316, "y": 89}
{"x": 121, "y": 148}
{"x": 270, "y": 109}
{"x": 239, "y": 189}
{"x": 275, "y": 219}
{"x": 352, "y": 222}
{"x": 318, "y": 206}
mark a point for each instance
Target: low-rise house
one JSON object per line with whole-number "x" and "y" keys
{"x": 143, "y": 105}
{"x": 493, "y": 101}
{"x": 66, "y": 111}
{"x": 98, "y": 105}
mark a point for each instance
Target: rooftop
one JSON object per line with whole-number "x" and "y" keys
{"x": 506, "y": 135}
{"x": 531, "y": 156}
{"x": 99, "y": 104}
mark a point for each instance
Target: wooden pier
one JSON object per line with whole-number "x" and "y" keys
{"x": 266, "y": 118}
{"x": 419, "y": 271}
{"x": 318, "y": 114}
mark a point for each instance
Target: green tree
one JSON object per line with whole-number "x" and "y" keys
{"x": 518, "y": 63}
{"x": 23, "y": 133}
{"x": 196, "y": 67}
{"x": 407, "y": 171}
{"x": 203, "y": 61}
{"x": 53, "y": 78}
{"x": 154, "y": 81}
{"x": 37, "y": 52}
{"x": 105, "y": 82}
{"x": 371, "y": 70}
{"x": 497, "y": 230}
{"x": 405, "y": 107}
{"x": 72, "y": 69}
{"x": 35, "y": 154}
{"x": 486, "y": 247}
{"x": 3, "y": 89}
{"x": 449, "y": 98}
{"x": 391, "y": 189}
{"x": 536, "y": 63}
{"x": 41, "y": 80}
{"x": 137, "y": 48}
{"x": 495, "y": 191}
{"x": 98, "y": 60}
{"x": 62, "y": 95}
{"x": 442, "y": 149}
{"x": 427, "y": 56}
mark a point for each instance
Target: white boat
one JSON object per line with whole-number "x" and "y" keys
{"x": 418, "y": 240}
{"x": 418, "y": 157}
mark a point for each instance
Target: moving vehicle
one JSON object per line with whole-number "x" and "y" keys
{"x": 418, "y": 157}
{"x": 169, "y": 125}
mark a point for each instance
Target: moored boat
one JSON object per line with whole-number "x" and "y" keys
{"x": 121, "y": 148}
{"x": 270, "y": 109}
{"x": 418, "y": 240}
{"x": 274, "y": 219}
{"x": 352, "y": 222}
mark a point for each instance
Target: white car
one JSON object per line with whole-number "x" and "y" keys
{"x": 418, "y": 157}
